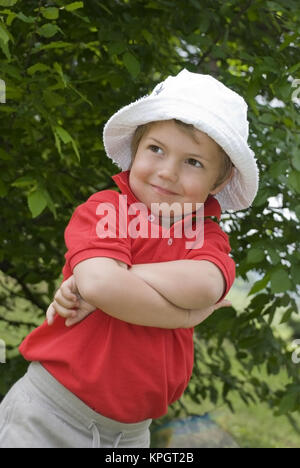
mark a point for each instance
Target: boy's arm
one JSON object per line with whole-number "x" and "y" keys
{"x": 190, "y": 284}
{"x": 123, "y": 295}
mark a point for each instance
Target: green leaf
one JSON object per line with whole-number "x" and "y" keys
{"x": 50, "y": 202}
{"x": 53, "y": 45}
{"x": 252, "y": 14}
{"x": 65, "y": 137}
{"x": 295, "y": 67}
{"x": 287, "y": 315}
{"x": 38, "y": 67}
{"x": 275, "y": 257}
{"x": 296, "y": 159}
{"x": 115, "y": 48}
{"x": 48, "y": 30}
{"x": 25, "y": 19}
{"x": 288, "y": 39}
{"x": 262, "y": 196}
{"x": 84, "y": 98}
{"x": 11, "y": 71}
{"x": 288, "y": 403}
{"x": 75, "y": 148}
{"x": 24, "y": 181}
{"x": 74, "y": 6}
{"x": 4, "y": 36}
{"x": 280, "y": 281}
{"x": 37, "y": 202}
{"x": 255, "y": 256}
{"x": 4, "y": 155}
{"x": 295, "y": 272}
{"x": 63, "y": 134}
{"x": 5, "y": 50}
{"x": 148, "y": 36}
{"x": 3, "y": 189}
{"x": 57, "y": 142}
{"x": 8, "y": 3}
{"x": 53, "y": 99}
{"x": 249, "y": 342}
{"x": 279, "y": 168}
{"x": 50, "y": 13}
{"x": 259, "y": 301}
{"x": 7, "y": 109}
{"x": 294, "y": 181}
{"x": 104, "y": 7}
{"x": 58, "y": 68}
{"x": 268, "y": 118}
{"x": 132, "y": 64}
{"x": 273, "y": 365}
{"x": 259, "y": 285}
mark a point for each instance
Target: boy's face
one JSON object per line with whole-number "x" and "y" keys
{"x": 171, "y": 166}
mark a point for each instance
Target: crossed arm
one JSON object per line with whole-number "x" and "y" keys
{"x": 164, "y": 295}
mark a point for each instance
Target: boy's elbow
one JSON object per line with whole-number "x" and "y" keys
{"x": 216, "y": 287}
{"x": 93, "y": 292}
{"x": 86, "y": 291}
{"x": 209, "y": 292}
{"x": 93, "y": 279}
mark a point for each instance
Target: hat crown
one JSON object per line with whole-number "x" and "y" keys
{"x": 209, "y": 93}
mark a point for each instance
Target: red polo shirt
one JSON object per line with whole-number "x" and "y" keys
{"x": 125, "y": 372}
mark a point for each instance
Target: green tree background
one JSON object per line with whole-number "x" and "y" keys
{"x": 67, "y": 67}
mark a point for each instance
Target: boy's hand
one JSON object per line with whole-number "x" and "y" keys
{"x": 68, "y": 304}
{"x": 195, "y": 317}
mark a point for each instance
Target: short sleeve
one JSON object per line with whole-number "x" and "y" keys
{"x": 97, "y": 229}
{"x": 216, "y": 249}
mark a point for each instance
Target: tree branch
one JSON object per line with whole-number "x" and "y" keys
{"x": 234, "y": 22}
{"x": 6, "y": 267}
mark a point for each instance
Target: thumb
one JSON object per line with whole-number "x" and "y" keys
{"x": 223, "y": 303}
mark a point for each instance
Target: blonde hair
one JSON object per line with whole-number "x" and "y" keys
{"x": 140, "y": 131}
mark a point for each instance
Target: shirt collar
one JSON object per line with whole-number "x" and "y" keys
{"x": 211, "y": 206}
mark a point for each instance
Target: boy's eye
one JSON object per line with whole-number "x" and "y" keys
{"x": 155, "y": 149}
{"x": 195, "y": 162}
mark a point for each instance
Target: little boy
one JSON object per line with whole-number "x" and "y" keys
{"x": 101, "y": 382}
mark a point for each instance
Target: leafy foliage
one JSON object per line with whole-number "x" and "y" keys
{"x": 67, "y": 67}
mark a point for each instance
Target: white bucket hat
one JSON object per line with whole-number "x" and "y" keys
{"x": 211, "y": 107}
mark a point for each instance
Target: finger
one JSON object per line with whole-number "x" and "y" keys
{"x": 72, "y": 321}
{"x": 61, "y": 299}
{"x": 63, "y": 311}
{"x": 50, "y": 314}
{"x": 67, "y": 292}
{"x": 80, "y": 315}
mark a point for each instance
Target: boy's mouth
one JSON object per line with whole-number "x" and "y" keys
{"x": 162, "y": 190}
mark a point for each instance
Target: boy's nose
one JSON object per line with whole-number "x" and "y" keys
{"x": 168, "y": 172}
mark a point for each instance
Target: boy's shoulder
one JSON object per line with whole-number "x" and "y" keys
{"x": 108, "y": 195}
{"x": 103, "y": 196}
{"x": 212, "y": 228}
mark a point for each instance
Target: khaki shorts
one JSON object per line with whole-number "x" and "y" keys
{"x": 39, "y": 412}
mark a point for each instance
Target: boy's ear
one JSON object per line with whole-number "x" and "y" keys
{"x": 223, "y": 184}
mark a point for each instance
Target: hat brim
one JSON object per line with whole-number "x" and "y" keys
{"x": 238, "y": 194}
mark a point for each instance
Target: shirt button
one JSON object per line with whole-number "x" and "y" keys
{"x": 170, "y": 241}
{"x": 151, "y": 218}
